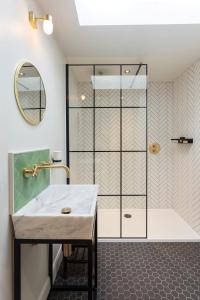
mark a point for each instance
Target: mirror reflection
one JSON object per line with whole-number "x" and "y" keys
{"x": 30, "y": 93}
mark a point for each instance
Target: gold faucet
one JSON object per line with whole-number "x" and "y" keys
{"x": 27, "y": 172}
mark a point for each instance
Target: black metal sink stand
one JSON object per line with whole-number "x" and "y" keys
{"x": 90, "y": 244}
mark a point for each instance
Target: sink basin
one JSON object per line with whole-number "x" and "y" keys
{"x": 41, "y": 218}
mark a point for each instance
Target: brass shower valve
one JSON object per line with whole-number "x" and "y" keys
{"x": 154, "y": 148}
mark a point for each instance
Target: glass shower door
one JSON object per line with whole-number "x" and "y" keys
{"x": 107, "y": 149}
{"x": 80, "y": 124}
{"x": 107, "y": 143}
{"x": 134, "y": 155}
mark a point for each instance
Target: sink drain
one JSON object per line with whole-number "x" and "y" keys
{"x": 66, "y": 210}
{"x": 128, "y": 216}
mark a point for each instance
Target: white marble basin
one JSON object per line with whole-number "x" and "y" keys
{"x": 41, "y": 218}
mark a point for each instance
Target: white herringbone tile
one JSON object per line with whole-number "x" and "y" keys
{"x": 107, "y": 129}
{"x": 173, "y": 174}
{"x": 107, "y": 173}
{"x": 187, "y": 157}
{"x": 133, "y": 129}
{"x": 107, "y": 97}
{"x": 81, "y": 168}
{"x": 160, "y": 175}
{"x": 133, "y": 97}
{"x": 134, "y": 173}
{"x": 81, "y": 127}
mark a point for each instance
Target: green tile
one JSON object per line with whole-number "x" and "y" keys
{"x": 26, "y": 189}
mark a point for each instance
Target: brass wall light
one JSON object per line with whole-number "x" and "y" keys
{"x": 47, "y": 22}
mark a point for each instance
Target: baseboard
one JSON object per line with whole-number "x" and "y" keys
{"x": 46, "y": 287}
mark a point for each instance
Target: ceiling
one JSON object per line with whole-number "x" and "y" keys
{"x": 167, "y": 49}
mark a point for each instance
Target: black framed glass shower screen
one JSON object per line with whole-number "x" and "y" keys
{"x": 107, "y": 142}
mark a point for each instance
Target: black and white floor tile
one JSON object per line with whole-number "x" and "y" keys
{"x": 140, "y": 271}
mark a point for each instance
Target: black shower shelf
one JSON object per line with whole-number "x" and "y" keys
{"x": 182, "y": 140}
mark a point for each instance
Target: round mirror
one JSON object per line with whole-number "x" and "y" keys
{"x": 30, "y": 93}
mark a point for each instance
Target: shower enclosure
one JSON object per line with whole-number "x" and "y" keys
{"x": 107, "y": 142}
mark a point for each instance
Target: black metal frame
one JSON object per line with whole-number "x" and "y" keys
{"x": 90, "y": 244}
{"x": 183, "y": 140}
{"x": 68, "y": 108}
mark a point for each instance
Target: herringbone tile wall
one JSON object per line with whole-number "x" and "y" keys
{"x": 81, "y": 120}
{"x": 107, "y": 129}
{"x": 186, "y": 158}
{"x": 81, "y": 168}
{"x": 133, "y": 129}
{"x": 160, "y": 173}
{"x": 173, "y": 174}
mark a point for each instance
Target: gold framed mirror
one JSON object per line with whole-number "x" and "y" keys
{"x": 30, "y": 93}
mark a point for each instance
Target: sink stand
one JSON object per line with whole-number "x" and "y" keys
{"x": 90, "y": 244}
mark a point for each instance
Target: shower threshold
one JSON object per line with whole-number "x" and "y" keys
{"x": 163, "y": 225}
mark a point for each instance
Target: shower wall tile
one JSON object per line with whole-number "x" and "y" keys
{"x": 107, "y": 129}
{"x": 81, "y": 168}
{"x": 107, "y": 172}
{"x": 107, "y": 97}
{"x": 133, "y": 97}
{"x": 109, "y": 202}
{"x": 134, "y": 173}
{"x": 133, "y": 129}
{"x": 160, "y": 109}
{"x": 86, "y": 89}
{"x": 77, "y": 89}
{"x": 173, "y": 174}
{"x": 186, "y": 158}
{"x": 160, "y": 166}
{"x": 81, "y": 128}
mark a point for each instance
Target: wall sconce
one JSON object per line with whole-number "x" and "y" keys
{"x": 47, "y": 22}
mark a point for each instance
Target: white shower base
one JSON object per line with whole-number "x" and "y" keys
{"x": 163, "y": 224}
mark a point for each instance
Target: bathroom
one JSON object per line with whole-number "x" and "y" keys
{"x": 129, "y": 104}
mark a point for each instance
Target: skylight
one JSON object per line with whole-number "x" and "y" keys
{"x": 115, "y": 82}
{"x": 137, "y": 12}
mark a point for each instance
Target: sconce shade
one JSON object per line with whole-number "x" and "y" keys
{"x": 48, "y": 25}
{"x": 47, "y": 22}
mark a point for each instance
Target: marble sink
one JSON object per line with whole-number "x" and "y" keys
{"x": 41, "y": 218}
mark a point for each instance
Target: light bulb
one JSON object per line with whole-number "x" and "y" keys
{"x": 83, "y": 97}
{"x": 127, "y": 71}
{"x": 48, "y": 25}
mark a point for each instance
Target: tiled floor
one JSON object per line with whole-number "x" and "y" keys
{"x": 140, "y": 271}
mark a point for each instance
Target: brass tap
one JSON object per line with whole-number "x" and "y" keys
{"x": 27, "y": 172}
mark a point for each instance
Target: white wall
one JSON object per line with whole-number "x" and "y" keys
{"x": 186, "y": 158}
{"x": 18, "y": 42}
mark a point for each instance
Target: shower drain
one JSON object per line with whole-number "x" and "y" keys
{"x": 128, "y": 216}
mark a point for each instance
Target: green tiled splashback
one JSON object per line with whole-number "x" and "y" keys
{"x": 25, "y": 189}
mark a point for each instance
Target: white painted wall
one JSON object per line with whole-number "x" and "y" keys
{"x": 18, "y": 42}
